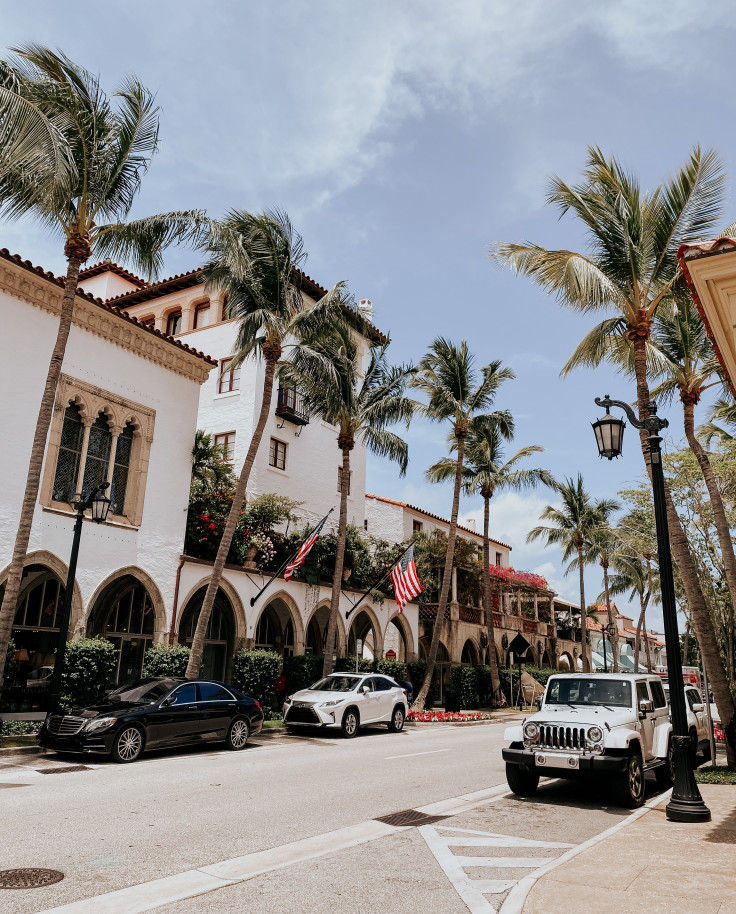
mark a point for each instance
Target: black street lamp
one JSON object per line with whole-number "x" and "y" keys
{"x": 686, "y": 804}
{"x": 98, "y": 505}
{"x": 609, "y": 630}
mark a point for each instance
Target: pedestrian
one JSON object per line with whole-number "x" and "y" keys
{"x": 280, "y": 690}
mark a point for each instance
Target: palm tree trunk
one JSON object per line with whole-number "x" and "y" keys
{"x": 38, "y": 449}
{"x": 421, "y": 698}
{"x": 496, "y": 693}
{"x": 339, "y": 562}
{"x": 611, "y": 619}
{"x": 583, "y": 615}
{"x": 716, "y": 500}
{"x": 195, "y": 657}
{"x": 701, "y": 619}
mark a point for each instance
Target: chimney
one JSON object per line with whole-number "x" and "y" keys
{"x": 365, "y": 306}
{"x": 470, "y": 523}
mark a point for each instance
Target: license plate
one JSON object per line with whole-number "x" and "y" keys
{"x": 556, "y": 760}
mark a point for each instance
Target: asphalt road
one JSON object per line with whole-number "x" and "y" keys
{"x": 115, "y": 826}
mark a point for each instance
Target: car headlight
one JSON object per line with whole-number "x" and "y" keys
{"x": 99, "y": 723}
{"x": 331, "y": 704}
{"x": 531, "y": 731}
{"x": 595, "y": 734}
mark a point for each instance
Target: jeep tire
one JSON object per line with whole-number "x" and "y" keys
{"x": 629, "y": 785}
{"x": 665, "y": 774}
{"x": 522, "y": 781}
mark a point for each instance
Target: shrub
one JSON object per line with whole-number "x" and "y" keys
{"x": 19, "y": 727}
{"x": 255, "y": 674}
{"x": 464, "y": 683}
{"x": 89, "y": 667}
{"x": 10, "y": 665}
{"x": 485, "y": 689}
{"x": 166, "y": 660}
{"x": 347, "y": 665}
{"x": 394, "y": 668}
{"x": 417, "y": 670}
{"x": 302, "y": 672}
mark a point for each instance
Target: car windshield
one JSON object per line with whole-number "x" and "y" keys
{"x": 144, "y": 690}
{"x": 615, "y": 693}
{"x": 336, "y": 684}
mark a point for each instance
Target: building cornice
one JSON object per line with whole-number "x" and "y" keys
{"x": 43, "y": 290}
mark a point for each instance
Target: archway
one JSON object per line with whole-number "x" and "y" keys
{"x": 442, "y": 668}
{"x": 469, "y": 653}
{"x": 35, "y": 634}
{"x": 316, "y": 631}
{"x": 123, "y": 612}
{"x": 279, "y": 627}
{"x": 365, "y": 628}
{"x": 399, "y": 639}
{"x": 566, "y": 662}
{"x": 546, "y": 660}
{"x": 219, "y": 639}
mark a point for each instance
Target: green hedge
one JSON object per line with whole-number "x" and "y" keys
{"x": 166, "y": 660}
{"x": 464, "y": 684}
{"x": 303, "y": 671}
{"x": 255, "y": 674}
{"x": 417, "y": 670}
{"x": 89, "y": 667}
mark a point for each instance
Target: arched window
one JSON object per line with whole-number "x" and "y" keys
{"x": 129, "y": 625}
{"x": 173, "y": 322}
{"x": 121, "y": 469}
{"x": 265, "y": 632}
{"x": 70, "y": 453}
{"x": 202, "y": 315}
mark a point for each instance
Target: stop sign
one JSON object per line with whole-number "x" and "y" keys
{"x": 390, "y": 654}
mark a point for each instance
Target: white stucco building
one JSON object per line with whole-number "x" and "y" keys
{"x": 125, "y": 412}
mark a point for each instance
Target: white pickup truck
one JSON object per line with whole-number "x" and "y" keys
{"x": 616, "y": 725}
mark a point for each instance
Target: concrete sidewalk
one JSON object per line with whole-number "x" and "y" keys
{"x": 651, "y": 866}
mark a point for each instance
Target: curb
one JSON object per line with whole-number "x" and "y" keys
{"x": 21, "y": 750}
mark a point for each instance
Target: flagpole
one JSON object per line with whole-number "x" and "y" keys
{"x": 283, "y": 565}
{"x": 380, "y": 580}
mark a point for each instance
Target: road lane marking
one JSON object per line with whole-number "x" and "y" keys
{"x": 412, "y": 754}
{"x": 441, "y": 839}
{"x": 137, "y": 899}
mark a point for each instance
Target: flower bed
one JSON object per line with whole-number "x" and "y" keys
{"x": 426, "y": 717}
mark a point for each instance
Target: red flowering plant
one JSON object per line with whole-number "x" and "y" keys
{"x": 516, "y": 580}
{"x": 458, "y": 717}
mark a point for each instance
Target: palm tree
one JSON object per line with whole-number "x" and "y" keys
{"x": 362, "y": 409}
{"x": 602, "y": 547}
{"x": 487, "y": 473}
{"x": 456, "y": 394}
{"x": 74, "y": 162}
{"x": 630, "y": 270}
{"x": 691, "y": 367}
{"x": 571, "y": 527}
{"x": 633, "y": 575}
{"x": 255, "y": 259}
{"x": 723, "y": 411}
{"x": 210, "y": 469}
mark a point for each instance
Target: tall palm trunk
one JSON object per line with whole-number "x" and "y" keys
{"x": 346, "y": 447}
{"x": 716, "y": 500}
{"x": 583, "y": 614}
{"x": 611, "y": 618}
{"x": 496, "y": 694}
{"x": 641, "y": 625}
{"x": 272, "y": 353}
{"x": 421, "y": 698}
{"x": 77, "y": 251}
{"x": 702, "y": 622}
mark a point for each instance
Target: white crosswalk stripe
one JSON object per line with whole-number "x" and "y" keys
{"x": 442, "y": 838}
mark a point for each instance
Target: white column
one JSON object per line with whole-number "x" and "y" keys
{"x": 88, "y": 423}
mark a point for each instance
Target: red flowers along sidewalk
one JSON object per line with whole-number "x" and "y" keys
{"x": 425, "y": 717}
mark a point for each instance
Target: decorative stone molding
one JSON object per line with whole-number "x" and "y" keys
{"x": 42, "y": 291}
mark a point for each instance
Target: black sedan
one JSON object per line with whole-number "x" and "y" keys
{"x": 155, "y": 714}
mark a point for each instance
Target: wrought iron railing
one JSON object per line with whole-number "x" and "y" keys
{"x": 290, "y": 405}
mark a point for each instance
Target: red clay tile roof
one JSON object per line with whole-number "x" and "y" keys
{"x": 109, "y": 266}
{"x": 403, "y": 504}
{"x": 695, "y": 252}
{"x": 107, "y": 306}
{"x": 192, "y": 278}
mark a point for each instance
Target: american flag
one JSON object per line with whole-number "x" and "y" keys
{"x": 304, "y": 549}
{"x": 405, "y": 579}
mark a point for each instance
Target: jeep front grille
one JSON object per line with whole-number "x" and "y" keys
{"x": 552, "y": 737}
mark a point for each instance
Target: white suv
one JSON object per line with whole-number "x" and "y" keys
{"x": 347, "y": 701}
{"x": 615, "y": 725}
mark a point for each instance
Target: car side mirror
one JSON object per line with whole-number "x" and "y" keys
{"x": 538, "y": 702}
{"x": 168, "y": 701}
{"x": 645, "y": 706}
{"x": 365, "y": 690}
{"x": 698, "y": 707}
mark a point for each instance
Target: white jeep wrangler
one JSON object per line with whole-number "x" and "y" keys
{"x": 612, "y": 724}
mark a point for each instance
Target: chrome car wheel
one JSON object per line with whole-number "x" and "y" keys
{"x": 350, "y": 724}
{"x": 397, "y": 720}
{"x": 128, "y": 745}
{"x": 238, "y": 734}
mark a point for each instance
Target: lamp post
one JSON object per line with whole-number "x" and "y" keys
{"x": 99, "y": 505}
{"x": 609, "y": 630}
{"x": 686, "y": 804}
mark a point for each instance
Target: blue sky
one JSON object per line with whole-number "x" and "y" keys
{"x": 403, "y": 139}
